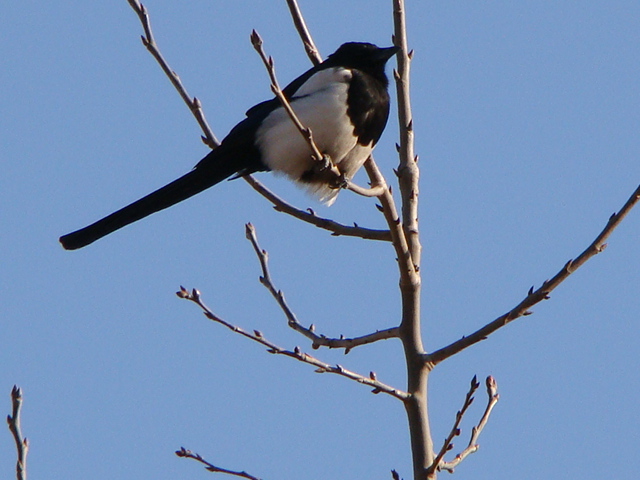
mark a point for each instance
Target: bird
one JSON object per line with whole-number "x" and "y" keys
{"x": 344, "y": 101}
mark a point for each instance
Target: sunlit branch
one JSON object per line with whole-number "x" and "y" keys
{"x": 303, "y": 31}
{"x": 292, "y": 320}
{"x": 309, "y": 216}
{"x": 472, "y": 447}
{"x": 297, "y": 354}
{"x": 22, "y": 444}
{"x": 194, "y": 104}
{"x": 536, "y": 296}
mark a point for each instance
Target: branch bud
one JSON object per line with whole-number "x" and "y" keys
{"x": 256, "y": 41}
{"x": 492, "y": 386}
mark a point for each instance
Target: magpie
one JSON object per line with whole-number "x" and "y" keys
{"x": 343, "y": 100}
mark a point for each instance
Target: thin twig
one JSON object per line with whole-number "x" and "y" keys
{"x": 306, "y": 132}
{"x": 292, "y": 320}
{"x": 374, "y": 191}
{"x": 303, "y": 31}
{"x": 210, "y": 139}
{"x": 309, "y": 216}
{"x": 194, "y": 104}
{"x": 536, "y": 296}
{"x": 22, "y": 444}
{"x": 322, "y": 367}
{"x": 472, "y": 447}
{"x": 184, "y": 453}
{"x": 455, "y": 430}
{"x": 408, "y": 270}
{"x": 324, "y": 162}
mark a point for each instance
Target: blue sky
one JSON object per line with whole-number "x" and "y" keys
{"x": 526, "y": 119}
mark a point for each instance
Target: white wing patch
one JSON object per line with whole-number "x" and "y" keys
{"x": 321, "y": 105}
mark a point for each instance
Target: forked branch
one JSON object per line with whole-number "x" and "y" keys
{"x": 536, "y": 296}
{"x": 455, "y": 430}
{"x": 297, "y": 354}
{"x": 210, "y": 139}
{"x": 472, "y": 447}
{"x": 292, "y": 320}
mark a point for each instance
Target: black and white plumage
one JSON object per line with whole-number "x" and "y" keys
{"x": 343, "y": 100}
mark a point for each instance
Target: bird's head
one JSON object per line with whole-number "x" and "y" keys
{"x": 363, "y": 56}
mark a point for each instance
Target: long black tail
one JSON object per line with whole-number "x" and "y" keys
{"x": 210, "y": 170}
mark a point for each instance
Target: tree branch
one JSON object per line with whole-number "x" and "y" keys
{"x": 410, "y": 282}
{"x": 22, "y": 444}
{"x": 408, "y": 172}
{"x": 455, "y": 430}
{"x": 542, "y": 293}
{"x": 194, "y": 104}
{"x": 303, "y": 31}
{"x": 210, "y": 139}
{"x": 297, "y": 354}
{"x": 324, "y": 162}
{"x": 472, "y": 447}
{"x": 184, "y": 453}
{"x": 408, "y": 272}
{"x": 309, "y": 216}
{"x": 292, "y": 320}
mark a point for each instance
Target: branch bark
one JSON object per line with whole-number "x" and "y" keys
{"x": 292, "y": 320}
{"x": 303, "y": 31}
{"x": 184, "y": 453}
{"x": 194, "y": 104}
{"x": 410, "y": 281}
{"x": 22, "y": 444}
{"x": 536, "y": 296}
{"x": 309, "y": 216}
{"x": 472, "y": 447}
{"x": 210, "y": 139}
{"x": 297, "y": 354}
{"x": 323, "y": 161}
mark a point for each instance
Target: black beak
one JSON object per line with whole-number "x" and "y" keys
{"x": 385, "y": 54}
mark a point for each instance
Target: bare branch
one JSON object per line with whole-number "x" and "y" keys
{"x": 492, "y": 393}
{"x": 292, "y": 320}
{"x": 184, "y": 453}
{"x": 322, "y": 367}
{"x": 306, "y": 133}
{"x": 409, "y": 252}
{"x": 22, "y": 444}
{"x": 309, "y": 216}
{"x": 374, "y": 191}
{"x": 408, "y": 172}
{"x": 194, "y": 104}
{"x": 542, "y": 293}
{"x": 303, "y": 31}
{"x": 455, "y": 430}
{"x": 323, "y": 161}
{"x": 408, "y": 271}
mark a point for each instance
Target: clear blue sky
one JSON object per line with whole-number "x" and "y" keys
{"x": 527, "y": 119}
